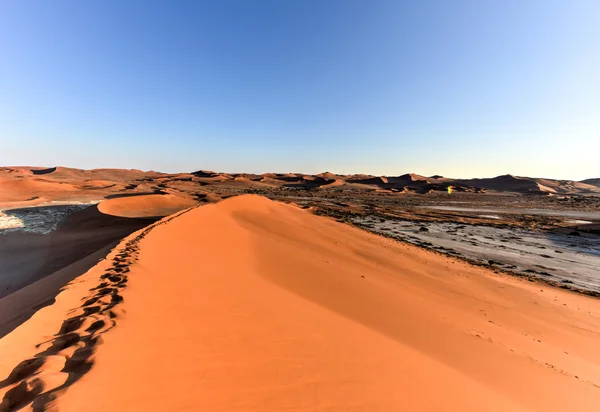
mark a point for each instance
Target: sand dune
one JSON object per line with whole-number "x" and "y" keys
{"x": 510, "y": 183}
{"x": 35, "y": 266}
{"x": 328, "y": 176}
{"x": 252, "y": 305}
{"x": 150, "y": 205}
{"x": 19, "y": 185}
{"x": 592, "y": 182}
{"x": 565, "y": 186}
{"x": 334, "y": 183}
{"x": 20, "y": 305}
{"x": 16, "y": 190}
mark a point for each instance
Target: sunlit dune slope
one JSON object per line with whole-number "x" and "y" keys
{"x": 252, "y": 305}
{"x": 152, "y": 205}
{"x": 19, "y": 190}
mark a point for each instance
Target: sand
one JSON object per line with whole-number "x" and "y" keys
{"x": 35, "y": 266}
{"x": 153, "y": 205}
{"x": 26, "y": 185}
{"x": 24, "y": 190}
{"x": 23, "y": 303}
{"x": 253, "y": 305}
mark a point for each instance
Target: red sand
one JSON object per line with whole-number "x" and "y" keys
{"x": 145, "y": 205}
{"x": 22, "y": 190}
{"x": 252, "y": 305}
{"x": 24, "y": 186}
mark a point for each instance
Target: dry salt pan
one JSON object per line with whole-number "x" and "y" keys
{"x": 10, "y": 222}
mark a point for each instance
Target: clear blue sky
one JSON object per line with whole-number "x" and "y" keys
{"x": 459, "y": 88}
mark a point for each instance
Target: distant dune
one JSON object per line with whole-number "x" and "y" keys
{"x": 593, "y": 182}
{"x": 34, "y": 185}
{"x": 154, "y": 205}
{"x": 24, "y": 189}
{"x": 505, "y": 183}
{"x": 255, "y": 305}
{"x": 510, "y": 183}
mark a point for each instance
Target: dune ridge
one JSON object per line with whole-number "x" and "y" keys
{"x": 62, "y": 359}
{"x": 34, "y": 185}
{"x": 149, "y": 205}
{"x": 255, "y": 305}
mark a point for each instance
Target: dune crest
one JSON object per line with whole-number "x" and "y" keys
{"x": 21, "y": 184}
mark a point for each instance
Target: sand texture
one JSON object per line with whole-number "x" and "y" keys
{"x": 255, "y": 305}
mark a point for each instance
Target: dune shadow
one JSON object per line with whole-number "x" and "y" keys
{"x": 79, "y": 335}
{"x": 31, "y": 257}
{"x": 120, "y": 195}
{"x": 43, "y": 171}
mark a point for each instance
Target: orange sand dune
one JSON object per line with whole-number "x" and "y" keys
{"x": 20, "y": 190}
{"x": 152, "y": 205}
{"x": 335, "y": 183}
{"x": 252, "y": 305}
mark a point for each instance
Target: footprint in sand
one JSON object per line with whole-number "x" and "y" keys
{"x": 66, "y": 357}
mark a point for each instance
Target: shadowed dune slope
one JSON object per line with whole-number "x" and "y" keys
{"x": 34, "y": 267}
{"x": 593, "y": 182}
{"x": 253, "y": 305}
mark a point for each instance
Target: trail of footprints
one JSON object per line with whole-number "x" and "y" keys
{"x": 66, "y": 357}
